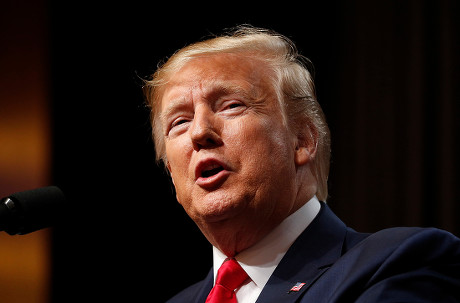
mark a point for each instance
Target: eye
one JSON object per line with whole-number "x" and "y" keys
{"x": 232, "y": 106}
{"x": 178, "y": 121}
{"x": 177, "y": 124}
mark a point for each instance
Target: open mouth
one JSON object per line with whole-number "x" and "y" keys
{"x": 211, "y": 171}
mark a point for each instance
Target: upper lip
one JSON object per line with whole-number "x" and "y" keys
{"x": 208, "y": 164}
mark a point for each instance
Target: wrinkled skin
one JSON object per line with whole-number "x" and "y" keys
{"x": 237, "y": 168}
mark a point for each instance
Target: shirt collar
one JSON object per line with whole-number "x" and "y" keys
{"x": 260, "y": 260}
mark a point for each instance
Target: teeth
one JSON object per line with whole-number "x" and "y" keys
{"x": 212, "y": 167}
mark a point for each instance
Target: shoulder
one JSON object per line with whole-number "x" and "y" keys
{"x": 409, "y": 240}
{"x": 418, "y": 264}
{"x": 196, "y": 292}
{"x": 405, "y": 248}
{"x": 186, "y": 295}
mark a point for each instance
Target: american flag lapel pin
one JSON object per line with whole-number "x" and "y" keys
{"x": 297, "y": 287}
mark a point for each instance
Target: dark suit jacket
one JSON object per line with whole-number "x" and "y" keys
{"x": 338, "y": 264}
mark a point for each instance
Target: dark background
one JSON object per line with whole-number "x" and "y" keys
{"x": 387, "y": 76}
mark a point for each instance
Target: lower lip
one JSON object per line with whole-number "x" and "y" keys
{"x": 214, "y": 180}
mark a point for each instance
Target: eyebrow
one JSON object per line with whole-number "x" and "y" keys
{"x": 216, "y": 90}
{"x": 221, "y": 88}
{"x": 174, "y": 105}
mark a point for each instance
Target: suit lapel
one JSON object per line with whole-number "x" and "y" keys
{"x": 204, "y": 291}
{"x": 314, "y": 251}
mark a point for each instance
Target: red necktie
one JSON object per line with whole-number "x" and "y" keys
{"x": 229, "y": 277}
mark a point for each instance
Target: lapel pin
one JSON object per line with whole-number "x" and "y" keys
{"x": 297, "y": 287}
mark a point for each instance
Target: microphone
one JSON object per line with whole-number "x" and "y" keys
{"x": 31, "y": 210}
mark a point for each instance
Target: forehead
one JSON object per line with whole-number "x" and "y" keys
{"x": 230, "y": 72}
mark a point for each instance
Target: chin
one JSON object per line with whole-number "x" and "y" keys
{"x": 214, "y": 208}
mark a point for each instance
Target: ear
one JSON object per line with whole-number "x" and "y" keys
{"x": 306, "y": 147}
{"x": 173, "y": 188}
{"x": 168, "y": 169}
{"x": 168, "y": 166}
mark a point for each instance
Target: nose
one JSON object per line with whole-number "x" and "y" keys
{"x": 204, "y": 130}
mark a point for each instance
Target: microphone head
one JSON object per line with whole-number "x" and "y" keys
{"x": 31, "y": 210}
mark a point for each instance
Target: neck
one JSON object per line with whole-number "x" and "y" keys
{"x": 235, "y": 235}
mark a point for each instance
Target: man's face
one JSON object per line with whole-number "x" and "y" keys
{"x": 229, "y": 151}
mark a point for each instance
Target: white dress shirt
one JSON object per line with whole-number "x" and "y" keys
{"x": 260, "y": 260}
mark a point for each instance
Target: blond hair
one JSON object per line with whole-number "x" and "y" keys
{"x": 292, "y": 81}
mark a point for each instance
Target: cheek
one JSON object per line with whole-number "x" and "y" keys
{"x": 264, "y": 145}
{"x": 178, "y": 162}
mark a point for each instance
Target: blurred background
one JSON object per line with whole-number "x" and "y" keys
{"x": 72, "y": 114}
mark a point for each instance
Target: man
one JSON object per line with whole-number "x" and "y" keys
{"x": 236, "y": 122}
